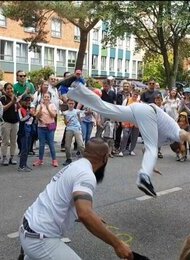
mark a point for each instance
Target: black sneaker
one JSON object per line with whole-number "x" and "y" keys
{"x": 160, "y": 155}
{"x": 145, "y": 185}
{"x": 68, "y": 161}
{"x": 139, "y": 257}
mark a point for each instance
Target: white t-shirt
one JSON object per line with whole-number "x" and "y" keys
{"x": 53, "y": 212}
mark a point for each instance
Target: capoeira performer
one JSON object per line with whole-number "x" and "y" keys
{"x": 156, "y": 127}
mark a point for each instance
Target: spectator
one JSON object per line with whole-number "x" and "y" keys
{"x": 149, "y": 94}
{"x": 184, "y": 104}
{"x": 54, "y": 93}
{"x": 10, "y": 126}
{"x": 129, "y": 130}
{"x": 122, "y": 98}
{"x": 73, "y": 129}
{"x": 46, "y": 113}
{"x": 25, "y": 131}
{"x": 23, "y": 86}
{"x": 171, "y": 104}
{"x": 108, "y": 135}
{"x": 63, "y": 96}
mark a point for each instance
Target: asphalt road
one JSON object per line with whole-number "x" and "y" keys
{"x": 157, "y": 227}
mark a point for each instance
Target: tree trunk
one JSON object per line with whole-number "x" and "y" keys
{"x": 82, "y": 49}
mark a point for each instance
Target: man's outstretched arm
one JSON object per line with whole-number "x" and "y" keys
{"x": 83, "y": 204}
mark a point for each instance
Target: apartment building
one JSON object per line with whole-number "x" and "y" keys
{"x": 60, "y": 51}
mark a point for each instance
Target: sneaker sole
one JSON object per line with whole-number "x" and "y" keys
{"x": 146, "y": 191}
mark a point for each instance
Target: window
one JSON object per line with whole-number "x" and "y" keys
{"x": 30, "y": 29}
{"x": 103, "y": 63}
{"x": 119, "y": 65}
{"x": 94, "y": 62}
{"x": 61, "y": 56}
{"x": 95, "y": 35}
{"x": 77, "y": 34}
{"x": 72, "y": 59}
{"x": 6, "y": 50}
{"x": 139, "y": 68}
{"x": 134, "y": 66}
{"x": 48, "y": 56}
{"x": 21, "y": 52}
{"x": 37, "y": 56}
{"x": 120, "y": 43}
{"x": 104, "y": 34}
{"x": 85, "y": 62}
{"x": 127, "y": 43}
{"x": 112, "y": 61}
{"x": 56, "y": 28}
{"x": 3, "y": 20}
{"x": 127, "y": 66}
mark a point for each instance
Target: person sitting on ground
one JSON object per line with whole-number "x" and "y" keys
{"x": 67, "y": 198}
{"x": 156, "y": 127}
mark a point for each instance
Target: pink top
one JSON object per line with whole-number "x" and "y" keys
{"x": 45, "y": 118}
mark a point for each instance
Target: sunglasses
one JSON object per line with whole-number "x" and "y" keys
{"x": 151, "y": 83}
{"x": 22, "y": 76}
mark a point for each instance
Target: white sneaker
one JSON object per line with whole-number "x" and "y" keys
{"x": 132, "y": 153}
{"x": 120, "y": 154}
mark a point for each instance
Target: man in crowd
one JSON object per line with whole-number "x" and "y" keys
{"x": 148, "y": 96}
{"x": 156, "y": 127}
{"x": 23, "y": 86}
{"x": 67, "y": 198}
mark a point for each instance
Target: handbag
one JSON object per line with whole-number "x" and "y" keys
{"x": 51, "y": 126}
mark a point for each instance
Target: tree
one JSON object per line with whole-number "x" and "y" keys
{"x": 84, "y": 15}
{"x": 159, "y": 27}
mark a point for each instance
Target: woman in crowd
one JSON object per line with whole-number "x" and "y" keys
{"x": 171, "y": 104}
{"x": 37, "y": 98}
{"x": 10, "y": 125}
{"x": 46, "y": 113}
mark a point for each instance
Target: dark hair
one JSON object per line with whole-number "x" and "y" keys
{"x": 18, "y": 71}
{"x": 65, "y": 73}
{"x": 69, "y": 99}
{"x": 7, "y": 84}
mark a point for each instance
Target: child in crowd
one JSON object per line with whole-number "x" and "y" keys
{"x": 73, "y": 129}
{"x": 25, "y": 131}
{"x": 159, "y": 102}
{"x": 108, "y": 135}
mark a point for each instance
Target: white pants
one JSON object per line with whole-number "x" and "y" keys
{"x": 46, "y": 249}
{"x": 142, "y": 115}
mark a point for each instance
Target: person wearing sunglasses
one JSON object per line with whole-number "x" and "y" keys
{"x": 23, "y": 86}
{"x": 148, "y": 96}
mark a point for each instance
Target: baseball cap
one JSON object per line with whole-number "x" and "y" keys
{"x": 183, "y": 114}
{"x": 78, "y": 72}
{"x": 110, "y": 78}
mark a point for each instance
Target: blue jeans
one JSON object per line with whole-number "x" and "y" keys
{"x": 86, "y": 130}
{"x": 46, "y": 136}
{"x": 25, "y": 146}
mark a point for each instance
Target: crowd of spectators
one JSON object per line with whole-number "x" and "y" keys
{"x": 29, "y": 113}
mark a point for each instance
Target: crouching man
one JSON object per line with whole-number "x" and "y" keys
{"x": 66, "y": 198}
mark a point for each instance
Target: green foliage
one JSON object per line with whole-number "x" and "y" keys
{"x": 1, "y": 75}
{"x": 37, "y": 75}
{"x": 159, "y": 27}
{"x": 93, "y": 83}
{"x": 153, "y": 68}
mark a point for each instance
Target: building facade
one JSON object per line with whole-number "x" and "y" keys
{"x": 60, "y": 51}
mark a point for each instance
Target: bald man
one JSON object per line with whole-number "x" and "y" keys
{"x": 156, "y": 127}
{"x": 67, "y": 198}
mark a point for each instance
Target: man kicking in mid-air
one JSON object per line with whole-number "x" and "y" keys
{"x": 156, "y": 127}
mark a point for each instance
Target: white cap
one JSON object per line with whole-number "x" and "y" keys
{"x": 110, "y": 78}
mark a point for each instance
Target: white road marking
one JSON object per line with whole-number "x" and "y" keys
{"x": 13, "y": 235}
{"x": 160, "y": 193}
